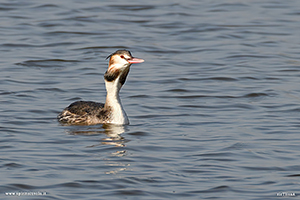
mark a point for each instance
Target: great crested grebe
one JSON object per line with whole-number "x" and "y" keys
{"x": 112, "y": 112}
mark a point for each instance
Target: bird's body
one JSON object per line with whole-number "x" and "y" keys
{"x": 112, "y": 112}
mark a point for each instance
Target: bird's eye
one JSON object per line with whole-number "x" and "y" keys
{"x": 122, "y": 56}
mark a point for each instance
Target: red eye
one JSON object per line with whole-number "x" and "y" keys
{"x": 122, "y": 56}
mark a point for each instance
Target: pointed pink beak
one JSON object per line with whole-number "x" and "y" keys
{"x": 135, "y": 60}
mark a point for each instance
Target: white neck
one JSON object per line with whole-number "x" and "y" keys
{"x": 113, "y": 103}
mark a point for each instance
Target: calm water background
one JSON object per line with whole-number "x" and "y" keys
{"x": 214, "y": 110}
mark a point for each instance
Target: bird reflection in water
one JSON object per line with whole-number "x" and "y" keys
{"x": 113, "y": 137}
{"x": 113, "y": 133}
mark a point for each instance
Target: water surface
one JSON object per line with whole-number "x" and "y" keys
{"x": 214, "y": 110}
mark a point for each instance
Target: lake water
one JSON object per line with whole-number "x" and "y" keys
{"x": 214, "y": 109}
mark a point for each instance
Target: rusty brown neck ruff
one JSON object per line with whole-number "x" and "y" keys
{"x": 115, "y": 78}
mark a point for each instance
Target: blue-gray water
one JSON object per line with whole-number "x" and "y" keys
{"x": 214, "y": 110}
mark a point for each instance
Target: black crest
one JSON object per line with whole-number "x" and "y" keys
{"x": 120, "y": 52}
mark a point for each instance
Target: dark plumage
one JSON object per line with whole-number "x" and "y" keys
{"x": 85, "y": 107}
{"x": 81, "y": 112}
